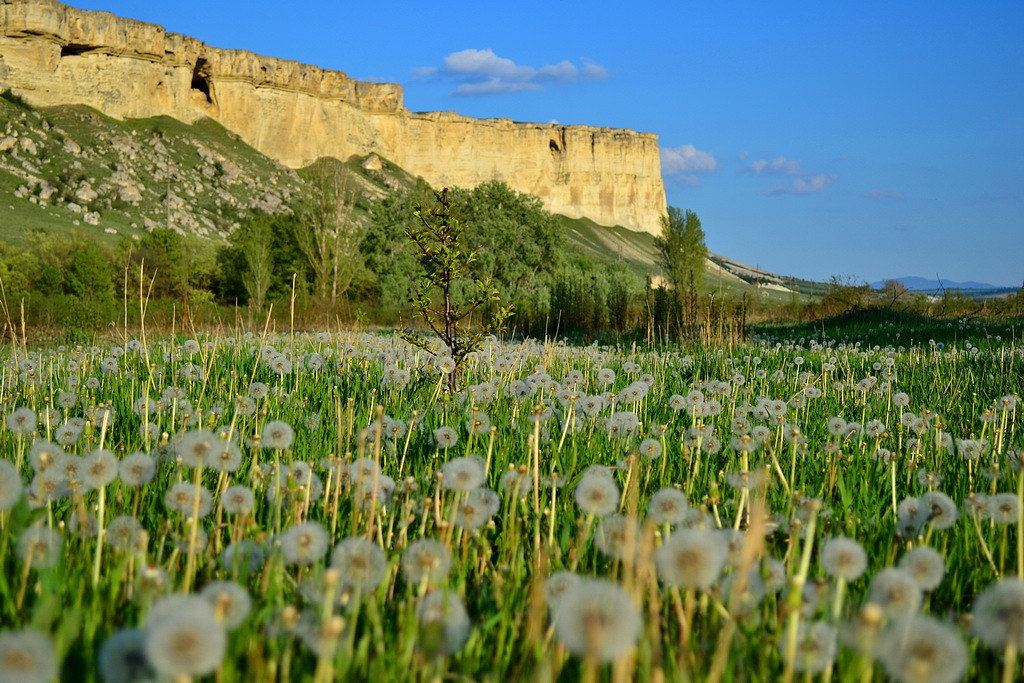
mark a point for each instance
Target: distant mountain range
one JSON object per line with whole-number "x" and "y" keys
{"x": 920, "y": 284}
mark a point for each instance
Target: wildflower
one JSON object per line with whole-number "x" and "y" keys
{"x": 11, "y": 485}
{"x": 477, "y": 508}
{"x": 692, "y": 558}
{"x": 445, "y": 437}
{"x": 360, "y": 563}
{"x": 444, "y": 623}
{"x": 922, "y": 648}
{"x": 226, "y": 456}
{"x": 67, "y": 434}
{"x": 998, "y": 615}
{"x": 462, "y": 474}
{"x": 597, "y": 619}
{"x": 815, "y": 648}
{"x": 650, "y": 448}
{"x": 597, "y": 495}
{"x": 231, "y": 603}
{"x": 183, "y": 496}
{"x": 617, "y": 536}
{"x": 125, "y": 533}
{"x": 122, "y": 658}
{"x": 22, "y": 420}
{"x": 238, "y": 500}
{"x": 668, "y": 506}
{"x": 896, "y": 591}
{"x": 40, "y": 546}
{"x": 1002, "y": 508}
{"x": 556, "y": 585}
{"x": 304, "y": 544}
{"x": 43, "y": 455}
{"x": 926, "y": 565}
{"x": 136, "y": 469}
{"x": 844, "y": 558}
{"x": 277, "y": 435}
{"x": 183, "y": 636}
{"x": 99, "y": 468}
{"x": 27, "y": 656}
{"x": 516, "y": 483}
{"x": 425, "y": 560}
{"x": 941, "y": 510}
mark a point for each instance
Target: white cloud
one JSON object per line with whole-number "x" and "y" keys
{"x": 482, "y": 72}
{"x": 777, "y": 166}
{"x": 810, "y": 185}
{"x": 686, "y": 161}
{"x": 883, "y": 194}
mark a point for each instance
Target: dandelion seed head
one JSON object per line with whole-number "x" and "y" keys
{"x": 668, "y": 506}
{"x": 462, "y": 474}
{"x": 596, "y": 618}
{"x": 40, "y": 547}
{"x": 277, "y": 435}
{"x": 243, "y": 557}
{"x": 998, "y": 615}
{"x": 304, "y": 543}
{"x": 596, "y": 495}
{"x": 444, "y": 623}
{"x": 922, "y": 648}
{"x": 692, "y": 558}
{"x": 815, "y": 647}
{"x": 425, "y": 560}
{"x": 361, "y": 563}
{"x": 11, "y": 485}
{"x": 231, "y": 603}
{"x": 122, "y": 658}
{"x": 27, "y": 656}
{"x": 926, "y": 565}
{"x": 183, "y": 636}
{"x": 896, "y": 592}
{"x": 844, "y": 558}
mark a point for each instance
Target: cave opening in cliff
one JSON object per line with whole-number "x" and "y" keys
{"x": 553, "y": 144}
{"x": 200, "y": 80}
{"x": 71, "y": 50}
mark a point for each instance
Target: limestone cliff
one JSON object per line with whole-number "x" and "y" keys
{"x": 52, "y": 54}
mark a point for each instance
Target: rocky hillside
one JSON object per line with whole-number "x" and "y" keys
{"x": 66, "y": 167}
{"x": 71, "y": 168}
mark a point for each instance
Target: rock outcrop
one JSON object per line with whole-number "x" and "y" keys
{"x": 52, "y": 54}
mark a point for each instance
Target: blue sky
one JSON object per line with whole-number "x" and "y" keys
{"x": 867, "y": 139}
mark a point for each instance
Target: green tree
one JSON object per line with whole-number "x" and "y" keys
{"x": 256, "y": 245}
{"x": 446, "y": 266}
{"x": 328, "y": 231}
{"x": 88, "y": 274}
{"x": 682, "y": 254}
{"x": 518, "y": 243}
{"x": 389, "y": 255}
{"x": 164, "y": 258}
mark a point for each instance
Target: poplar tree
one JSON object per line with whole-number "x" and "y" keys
{"x": 682, "y": 254}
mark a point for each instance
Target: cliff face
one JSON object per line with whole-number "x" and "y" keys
{"x": 54, "y": 54}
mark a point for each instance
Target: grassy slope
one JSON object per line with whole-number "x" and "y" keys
{"x": 158, "y": 154}
{"x": 637, "y": 249}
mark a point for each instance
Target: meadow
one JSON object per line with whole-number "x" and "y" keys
{"x": 318, "y": 507}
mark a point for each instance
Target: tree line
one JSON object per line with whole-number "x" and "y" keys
{"x": 337, "y": 255}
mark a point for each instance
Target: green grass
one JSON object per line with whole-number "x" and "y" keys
{"x": 881, "y": 326}
{"x": 814, "y": 484}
